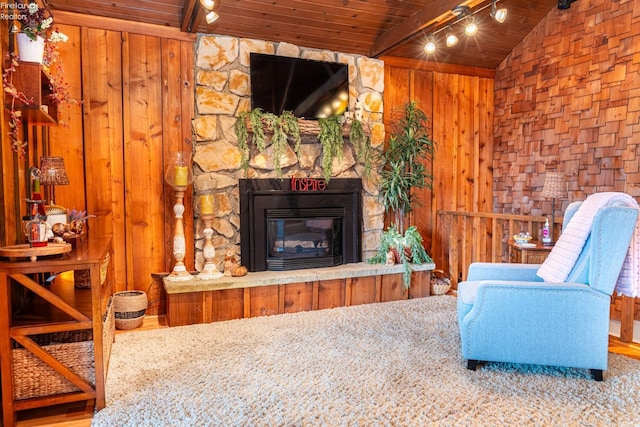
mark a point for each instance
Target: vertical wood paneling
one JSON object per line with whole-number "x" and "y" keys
{"x": 297, "y": 297}
{"x": 143, "y": 146}
{"x": 69, "y": 127}
{"x": 423, "y": 95}
{"x": 331, "y": 293}
{"x": 460, "y": 107}
{"x": 102, "y": 87}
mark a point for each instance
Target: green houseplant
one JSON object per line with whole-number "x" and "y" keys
{"x": 405, "y": 168}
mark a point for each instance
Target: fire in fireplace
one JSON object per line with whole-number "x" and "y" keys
{"x": 300, "y": 223}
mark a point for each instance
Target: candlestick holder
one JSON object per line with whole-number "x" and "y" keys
{"x": 209, "y": 270}
{"x": 179, "y": 175}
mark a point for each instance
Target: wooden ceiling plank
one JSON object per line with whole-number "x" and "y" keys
{"x": 297, "y": 25}
{"x": 317, "y": 17}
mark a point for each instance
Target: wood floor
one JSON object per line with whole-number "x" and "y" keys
{"x": 80, "y": 414}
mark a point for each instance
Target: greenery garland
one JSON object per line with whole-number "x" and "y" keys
{"x": 286, "y": 126}
{"x": 283, "y": 126}
{"x": 359, "y": 139}
{"x": 332, "y": 142}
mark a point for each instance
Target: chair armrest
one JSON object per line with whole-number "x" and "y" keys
{"x": 503, "y": 271}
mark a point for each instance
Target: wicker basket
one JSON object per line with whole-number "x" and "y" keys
{"x": 129, "y": 308}
{"x": 82, "y": 278}
{"x": 440, "y": 282}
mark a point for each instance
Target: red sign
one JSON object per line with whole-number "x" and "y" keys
{"x": 308, "y": 184}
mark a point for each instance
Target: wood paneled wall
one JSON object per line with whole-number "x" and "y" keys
{"x": 137, "y": 105}
{"x": 459, "y": 103}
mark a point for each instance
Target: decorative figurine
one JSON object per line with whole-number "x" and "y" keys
{"x": 232, "y": 265}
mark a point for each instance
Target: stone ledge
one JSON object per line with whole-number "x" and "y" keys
{"x": 267, "y": 278}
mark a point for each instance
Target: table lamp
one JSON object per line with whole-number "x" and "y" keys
{"x": 554, "y": 188}
{"x": 53, "y": 173}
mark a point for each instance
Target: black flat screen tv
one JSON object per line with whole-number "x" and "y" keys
{"x": 310, "y": 89}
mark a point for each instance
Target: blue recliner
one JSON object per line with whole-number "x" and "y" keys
{"x": 506, "y": 313}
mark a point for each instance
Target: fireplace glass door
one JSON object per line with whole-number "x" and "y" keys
{"x": 295, "y": 242}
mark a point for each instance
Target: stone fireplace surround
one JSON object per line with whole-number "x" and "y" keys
{"x": 222, "y": 91}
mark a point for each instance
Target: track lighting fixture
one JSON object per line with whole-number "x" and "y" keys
{"x": 464, "y": 14}
{"x": 498, "y": 14}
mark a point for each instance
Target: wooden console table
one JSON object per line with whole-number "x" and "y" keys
{"x": 53, "y": 310}
{"x": 276, "y": 292}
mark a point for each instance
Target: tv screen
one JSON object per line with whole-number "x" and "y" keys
{"x": 310, "y": 89}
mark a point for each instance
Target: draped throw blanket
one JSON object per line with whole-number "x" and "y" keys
{"x": 564, "y": 255}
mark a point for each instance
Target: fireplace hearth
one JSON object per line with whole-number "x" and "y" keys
{"x": 300, "y": 223}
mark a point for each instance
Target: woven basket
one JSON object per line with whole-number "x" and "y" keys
{"x": 440, "y": 282}
{"x": 129, "y": 308}
{"x": 34, "y": 378}
{"x": 74, "y": 349}
{"x": 82, "y": 278}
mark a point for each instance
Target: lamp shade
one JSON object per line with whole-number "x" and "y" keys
{"x": 555, "y": 186}
{"x": 52, "y": 171}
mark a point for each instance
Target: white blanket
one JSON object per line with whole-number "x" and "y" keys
{"x": 564, "y": 255}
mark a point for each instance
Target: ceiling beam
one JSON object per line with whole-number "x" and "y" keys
{"x": 436, "y": 12}
{"x": 114, "y": 24}
{"x": 188, "y": 16}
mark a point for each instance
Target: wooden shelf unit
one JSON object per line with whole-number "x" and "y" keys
{"x": 31, "y": 79}
{"x": 56, "y": 308}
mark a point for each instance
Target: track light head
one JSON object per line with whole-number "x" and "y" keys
{"x": 207, "y": 4}
{"x": 211, "y": 17}
{"x": 430, "y": 47}
{"x": 498, "y": 14}
{"x": 451, "y": 38}
{"x": 471, "y": 29}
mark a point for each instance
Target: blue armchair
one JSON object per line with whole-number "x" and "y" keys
{"x": 506, "y": 313}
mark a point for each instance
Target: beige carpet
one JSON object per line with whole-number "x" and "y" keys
{"x": 389, "y": 364}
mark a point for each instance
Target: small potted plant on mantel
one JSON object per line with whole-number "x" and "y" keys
{"x": 34, "y": 24}
{"x": 404, "y": 169}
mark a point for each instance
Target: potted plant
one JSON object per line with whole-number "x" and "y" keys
{"x": 35, "y": 28}
{"x": 405, "y": 169}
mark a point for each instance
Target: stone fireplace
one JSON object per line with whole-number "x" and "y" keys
{"x": 300, "y": 223}
{"x": 222, "y": 91}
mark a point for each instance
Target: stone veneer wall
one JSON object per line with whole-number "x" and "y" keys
{"x": 223, "y": 90}
{"x": 568, "y": 99}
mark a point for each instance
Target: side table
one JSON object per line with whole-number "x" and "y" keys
{"x": 533, "y": 253}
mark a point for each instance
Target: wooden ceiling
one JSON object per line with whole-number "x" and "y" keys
{"x": 368, "y": 27}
